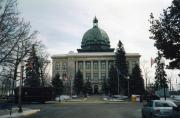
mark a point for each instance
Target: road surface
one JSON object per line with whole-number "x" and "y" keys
{"x": 87, "y": 110}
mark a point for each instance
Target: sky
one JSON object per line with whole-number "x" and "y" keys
{"x": 62, "y": 23}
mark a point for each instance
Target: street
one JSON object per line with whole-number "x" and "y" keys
{"x": 87, "y": 110}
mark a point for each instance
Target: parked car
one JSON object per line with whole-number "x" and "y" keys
{"x": 160, "y": 109}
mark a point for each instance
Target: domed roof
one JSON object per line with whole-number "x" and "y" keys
{"x": 95, "y": 35}
{"x": 95, "y": 40}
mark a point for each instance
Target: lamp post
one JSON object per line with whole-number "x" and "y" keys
{"x": 128, "y": 86}
{"x": 162, "y": 62}
{"x": 118, "y": 78}
{"x": 20, "y": 87}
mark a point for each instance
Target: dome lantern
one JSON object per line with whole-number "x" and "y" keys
{"x": 95, "y": 22}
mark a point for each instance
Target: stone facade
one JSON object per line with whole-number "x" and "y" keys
{"x": 94, "y": 66}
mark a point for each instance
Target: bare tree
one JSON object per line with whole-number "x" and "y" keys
{"x": 169, "y": 78}
{"x": 5, "y": 81}
{"x": 15, "y": 39}
{"x": 13, "y": 30}
{"x": 146, "y": 70}
{"x": 44, "y": 62}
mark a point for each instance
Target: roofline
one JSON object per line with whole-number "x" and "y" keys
{"x": 92, "y": 54}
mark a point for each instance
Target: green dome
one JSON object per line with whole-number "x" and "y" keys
{"x": 95, "y": 36}
{"x": 95, "y": 40}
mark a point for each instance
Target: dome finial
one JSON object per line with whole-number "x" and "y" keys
{"x": 95, "y": 22}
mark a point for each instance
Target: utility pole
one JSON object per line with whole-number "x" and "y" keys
{"x": 20, "y": 88}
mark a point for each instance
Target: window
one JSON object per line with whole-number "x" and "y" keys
{"x": 110, "y": 64}
{"x": 103, "y": 75}
{"x": 164, "y": 104}
{"x": 88, "y": 76}
{"x": 103, "y": 65}
{"x": 64, "y": 66}
{"x": 80, "y": 65}
{"x": 57, "y": 66}
{"x": 95, "y": 65}
{"x": 133, "y": 64}
{"x": 88, "y": 65}
{"x": 96, "y": 76}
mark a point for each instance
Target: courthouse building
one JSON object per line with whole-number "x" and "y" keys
{"x": 93, "y": 59}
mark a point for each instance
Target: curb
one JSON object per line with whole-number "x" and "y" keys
{"x": 24, "y": 113}
{"x": 96, "y": 102}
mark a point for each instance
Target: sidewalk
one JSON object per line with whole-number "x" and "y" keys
{"x": 26, "y": 111}
{"x": 94, "y": 99}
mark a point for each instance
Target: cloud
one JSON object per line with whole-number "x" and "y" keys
{"x": 62, "y": 23}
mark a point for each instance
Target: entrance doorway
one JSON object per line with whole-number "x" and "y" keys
{"x": 96, "y": 89}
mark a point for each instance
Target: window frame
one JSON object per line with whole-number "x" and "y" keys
{"x": 88, "y": 65}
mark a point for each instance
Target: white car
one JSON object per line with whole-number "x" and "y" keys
{"x": 160, "y": 109}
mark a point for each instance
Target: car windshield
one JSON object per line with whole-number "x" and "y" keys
{"x": 164, "y": 104}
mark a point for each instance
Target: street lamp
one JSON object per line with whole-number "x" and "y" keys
{"x": 20, "y": 86}
{"x": 162, "y": 62}
{"x": 128, "y": 86}
{"x": 118, "y": 78}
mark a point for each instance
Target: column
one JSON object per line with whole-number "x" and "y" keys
{"x": 76, "y": 66}
{"x": 92, "y": 78}
{"x": 84, "y": 68}
{"x": 53, "y": 68}
{"x": 107, "y": 71}
{"x": 99, "y": 68}
{"x": 61, "y": 72}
